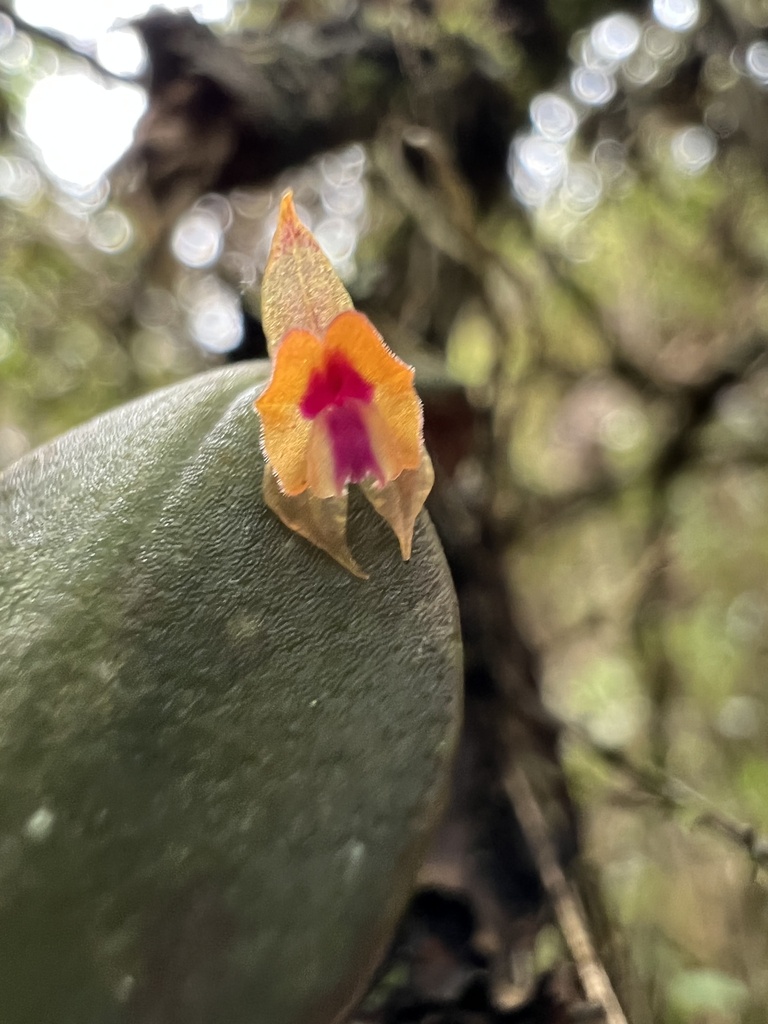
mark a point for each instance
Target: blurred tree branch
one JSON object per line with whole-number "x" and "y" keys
{"x": 234, "y": 111}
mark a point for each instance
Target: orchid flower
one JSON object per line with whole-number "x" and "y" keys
{"x": 340, "y": 408}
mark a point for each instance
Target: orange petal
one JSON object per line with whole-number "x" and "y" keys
{"x": 284, "y": 431}
{"x": 300, "y": 288}
{"x": 401, "y": 500}
{"x": 394, "y": 397}
{"x": 323, "y": 522}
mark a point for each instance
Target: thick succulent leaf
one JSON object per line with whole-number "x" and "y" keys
{"x": 300, "y": 289}
{"x": 221, "y": 755}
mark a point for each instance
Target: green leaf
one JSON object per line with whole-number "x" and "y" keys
{"x": 221, "y": 755}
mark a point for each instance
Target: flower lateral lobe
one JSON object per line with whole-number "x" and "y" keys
{"x": 340, "y": 408}
{"x": 285, "y": 432}
{"x": 354, "y": 338}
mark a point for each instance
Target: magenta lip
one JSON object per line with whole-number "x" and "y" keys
{"x": 336, "y": 383}
{"x": 340, "y": 394}
{"x": 353, "y": 457}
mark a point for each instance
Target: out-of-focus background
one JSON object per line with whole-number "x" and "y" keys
{"x": 563, "y": 206}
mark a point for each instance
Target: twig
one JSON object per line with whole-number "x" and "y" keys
{"x": 62, "y": 42}
{"x": 567, "y": 906}
{"x": 674, "y": 794}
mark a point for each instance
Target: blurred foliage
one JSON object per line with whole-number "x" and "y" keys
{"x": 618, "y": 338}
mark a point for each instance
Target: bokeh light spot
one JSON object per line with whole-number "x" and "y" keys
{"x": 610, "y": 158}
{"x": 338, "y": 239}
{"x": 344, "y": 200}
{"x": 693, "y": 149}
{"x": 215, "y": 316}
{"x": 592, "y": 86}
{"x": 198, "y": 239}
{"x": 553, "y": 117}
{"x": 582, "y": 188}
{"x": 16, "y": 53}
{"x": 19, "y": 180}
{"x": 344, "y": 167}
{"x": 616, "y": 37}
{"x": 756, "y": 61}
{"x": 679, "y": 15}
{"x": 537, "y": 167}
{"x": 662, "y": 43}
{"x": 721, "y": 119}
{"x": 110, "y": 231}
{"x": 641, "y": 68}
{"x": 543, "y": 158}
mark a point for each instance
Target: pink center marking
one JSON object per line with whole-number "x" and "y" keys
{"x": 339, "y": 392}
{"x": 333, "y": 385}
